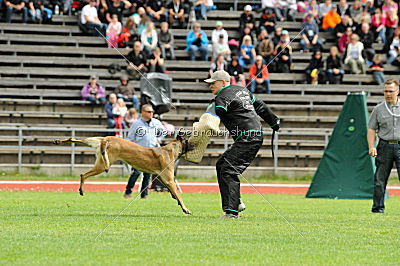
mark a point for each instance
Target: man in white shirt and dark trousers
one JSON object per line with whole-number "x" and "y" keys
{"x": 90, "y": 20}
{"x": 148, "y": 132}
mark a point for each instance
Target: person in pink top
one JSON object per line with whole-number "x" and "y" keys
{"x": 392, "y": 20}
{"x": 378, "y": 22}
{"x": 93, "y": 91}
{"x": 345, "y": 39}
{"x": 389, "y": 5}
{"x": 113, "y": 31}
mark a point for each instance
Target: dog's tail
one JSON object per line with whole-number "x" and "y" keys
{"x": 103, "y": 149}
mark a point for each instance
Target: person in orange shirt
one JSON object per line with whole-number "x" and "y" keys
{"x": 259, "y": 75}
{"x": 331, "y": 19}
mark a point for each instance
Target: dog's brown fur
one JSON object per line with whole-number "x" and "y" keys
{"x": 158, "y": 160}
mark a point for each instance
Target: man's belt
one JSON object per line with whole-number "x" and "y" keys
{"x": 390, "y": 141}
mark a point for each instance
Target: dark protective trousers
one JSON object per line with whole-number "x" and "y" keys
{"x": 232, "y": 163}
{"x": 132, "y": 180}
{"x": 387, "y": 154}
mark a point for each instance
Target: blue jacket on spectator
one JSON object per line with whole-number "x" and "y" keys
{"x": 191, "y": 37}
{"x": 108, "y": 107}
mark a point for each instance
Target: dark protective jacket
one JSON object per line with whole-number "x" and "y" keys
{"x": 238, "y": 108}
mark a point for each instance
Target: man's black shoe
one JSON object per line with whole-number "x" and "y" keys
{"x": 378, "y": 211}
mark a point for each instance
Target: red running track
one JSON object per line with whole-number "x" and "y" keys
{"x": 187, "y": 187}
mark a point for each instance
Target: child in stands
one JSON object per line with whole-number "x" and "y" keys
{"x": 113, "y": 31}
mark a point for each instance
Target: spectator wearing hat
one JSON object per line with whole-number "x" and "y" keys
{"x": 90, "y": 20}
{"x": 221, "y": 48}
{"x": 127, "y": 92}
{"x": 176, "y": 11}
{"x": 236, "y": 72}
{"x": 247, "y": 19}
{"x": 268, "y": 20}
{"x": 331, "y": 19}
{"x": 284, "y": 54}
{"x": 197, "y": 40}
{"x": 166, "y": 41}
{"x": 202, "y": 7}
{"x": 259, "y": 75}
{"x": 247, "y": 52}
{"x": 216, "y": 33}
{"x": 310, "y": 35}
{"x": 93, "y": 91}
{"x": 16, "y": 6}
{"x": 156, "y": 10}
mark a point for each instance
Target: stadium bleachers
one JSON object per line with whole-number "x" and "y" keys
{"x": 43, "y": 68}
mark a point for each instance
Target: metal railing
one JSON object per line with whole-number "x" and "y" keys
{"x": 22, "y": 134}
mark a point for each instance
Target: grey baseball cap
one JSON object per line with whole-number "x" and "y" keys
{"x": 219, "y": 75}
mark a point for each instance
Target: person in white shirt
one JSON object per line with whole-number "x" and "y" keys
{"x": 219, "y": 30}
{"x": 91, "y": 21}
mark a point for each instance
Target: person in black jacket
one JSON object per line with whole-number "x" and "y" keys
{"x": 334, "y": 69}
{"x": 238, "y": 110}
{"x": 247, "y": 19}
{"x": 367, "y": 38}
{"x": 315, "y": 70}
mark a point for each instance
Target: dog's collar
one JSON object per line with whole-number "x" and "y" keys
{"x": 185, "y": 148}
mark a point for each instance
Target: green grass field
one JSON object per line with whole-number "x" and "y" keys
{"x": 61, "y": 228}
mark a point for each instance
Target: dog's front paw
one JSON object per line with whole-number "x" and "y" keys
{"x": 80, "y": 192}
{"x": 186, "y": 211}
{"x": 56, "y": 142}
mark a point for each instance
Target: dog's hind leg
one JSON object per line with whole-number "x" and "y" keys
{"x": 97, "y": 169}
{"x": 168, "y": 179}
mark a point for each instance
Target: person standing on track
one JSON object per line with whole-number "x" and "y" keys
{"x": 385, "y": 120}
{"x": 238, "y": 110}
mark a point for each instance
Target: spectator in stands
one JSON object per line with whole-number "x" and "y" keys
{"x": 156, "y": 10}
{"x": 367, "y": 38}
{"x": 268, "y": 20}
{"x": 345, "y": 39}
{"x": 127, "y": 92}
{"x": 149, "y": 39}
{"x": 266, "y": 50}
{"x": 377, "y": 70}
{"x": 236, "y": 72}
{"x": 343, "y": 8}
{"x": 221, "y": 48}
{"x": 391, "y": 23}
{"x": 378, "y": 22}
{"x": 274, "y": 6}
{"x": 353, "y": 55}
{"x": 119, "y": 111}
{"x": 130, "y": 117}
{"x": 176, "y": 12}
{"x": 102, "y": 9}
{"x": 313, "y": 9}
{"x": 363, "y": 17}
{"x": 157, "y": 61}
{"x": 331, "y": 19}
{"x": 334, "y": 69}
{"x": 116, "y": 8}
{"x": 16, "y": 6}
{"x": 247, "y": 32}
{"x": 276, "y": 38}
{"x": 261, "y": 36}
{"x": 247, "y": 52}
{"x": 389, "y": 5}
{"x": 202, "y": 7}
{"x": 219, "y": 64}
{"x": 138, "y": 61}
{"x": 392, "y": 47}
{"x": 112, "y": 101}
{"x": 288, "y": 8}
{"x": 284, "y": 54}
{"x": 113, "y": 31}
{"x": 310, "y": 35}
{"x": 36, "y": 9}
{"x": 166, "y": 41}
{"x": 136, "y": 4}
{"x": 324, "y": 8}
{"x": 355, "y": 9}
{"x": 144, "y": 20}
{"x": 90, "y": 20}
{"x": 302, "y": 6}
{"x": 259, "y": 75}
{"x": 215, "y": 35}
{"x": 128, "y": 35}
{"x": 93, "y": 91}
{"x": 340, "y": 28}
{"x": 197, "y": 40}
{"x": 315, "y": 69}
{"x": 247, "y": 19}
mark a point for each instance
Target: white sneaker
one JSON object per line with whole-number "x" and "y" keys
{"x": 241, "y": 206}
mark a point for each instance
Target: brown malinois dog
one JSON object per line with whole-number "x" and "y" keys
{"x": 157, "y": 160}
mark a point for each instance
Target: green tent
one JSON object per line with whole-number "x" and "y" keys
{"x": 346, "y": 170}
